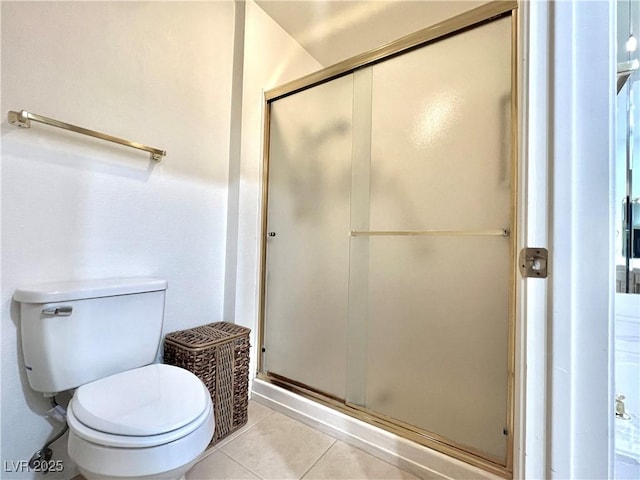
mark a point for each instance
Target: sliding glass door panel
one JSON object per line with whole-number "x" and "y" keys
{"x": 437, "y": 335}
{"x": 441, "y": 129}
{"x": 432, "y": 275}
{"x": 308, "y": 246}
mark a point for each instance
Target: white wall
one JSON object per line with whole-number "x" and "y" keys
{"x": 161, "y": 73}
{"x": 74, "y": 208}
{"x": 271, "y": 59}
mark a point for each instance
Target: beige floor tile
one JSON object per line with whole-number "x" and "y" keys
{"x": 279, "y": 447}
{"x": 256, "y": 413}
{"x": 344, "y": 462}
{"x": 219, "y": 466}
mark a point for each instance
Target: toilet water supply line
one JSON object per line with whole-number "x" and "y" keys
{"x": 40, "y": 460}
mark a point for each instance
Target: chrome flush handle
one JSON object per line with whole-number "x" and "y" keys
{"x": 63, "y": 311}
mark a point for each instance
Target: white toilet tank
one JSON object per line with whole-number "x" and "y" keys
{"x": 77, "y": 332}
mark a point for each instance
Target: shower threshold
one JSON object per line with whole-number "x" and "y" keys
{"x": 395, "y": 443}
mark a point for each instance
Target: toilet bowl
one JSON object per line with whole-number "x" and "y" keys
{"x": 148, "y": 423}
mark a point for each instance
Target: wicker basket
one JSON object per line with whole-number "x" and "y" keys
{"x": 218, "y": 353}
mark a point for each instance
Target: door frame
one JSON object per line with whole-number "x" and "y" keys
{"x": 566, "y": 357}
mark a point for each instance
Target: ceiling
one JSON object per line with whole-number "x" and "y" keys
{"x": 332, "y": 31}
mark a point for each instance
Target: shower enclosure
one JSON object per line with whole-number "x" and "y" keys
{"x": 388, "y": 266}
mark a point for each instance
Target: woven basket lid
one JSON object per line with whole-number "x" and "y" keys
{"x": 146, "y": 401}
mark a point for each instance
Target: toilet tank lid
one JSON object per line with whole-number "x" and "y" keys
{"x": 83, "y": 289}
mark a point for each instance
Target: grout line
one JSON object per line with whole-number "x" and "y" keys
{"x": 320, "y": 457}
{"x": 226, "y": 441}
{"x": 242, "y": 465}
{"x": 223, "y": 443}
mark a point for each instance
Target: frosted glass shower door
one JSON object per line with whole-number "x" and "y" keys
{"x": 389, "y": 269}
{"x": 308, "y": 245}
{"x": 431, "y": 253}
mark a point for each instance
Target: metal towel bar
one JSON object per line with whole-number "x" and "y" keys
{"x": 24, "y": 118}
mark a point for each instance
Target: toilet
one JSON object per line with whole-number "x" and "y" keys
{"x": 129, "y": 418}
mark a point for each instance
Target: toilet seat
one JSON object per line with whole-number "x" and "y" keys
{"x": 140, "y": 408}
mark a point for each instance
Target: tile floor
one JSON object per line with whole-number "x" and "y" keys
{"x": 272, "y": 446}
